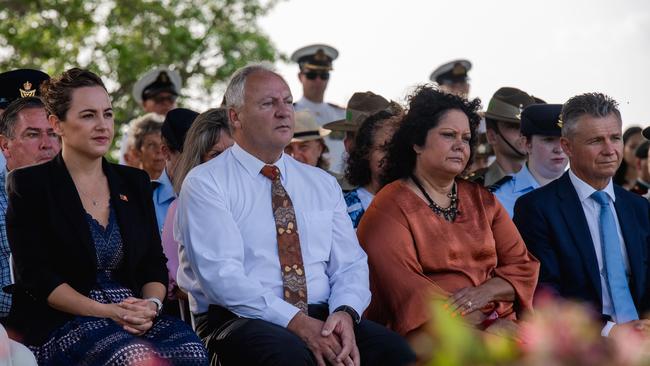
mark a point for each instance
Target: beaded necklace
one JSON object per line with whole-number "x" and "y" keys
{"x": 448, "y": 213}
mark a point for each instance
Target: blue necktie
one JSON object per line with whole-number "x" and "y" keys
{"x": 619, "y": 290}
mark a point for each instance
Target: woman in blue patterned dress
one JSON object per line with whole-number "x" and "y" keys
{"x": 91, "y": 274}
{"x": 364, "y": 166}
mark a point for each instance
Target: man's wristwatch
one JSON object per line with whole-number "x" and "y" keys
{"x": 158, "y": 303}
{"x": 356, "y": 318}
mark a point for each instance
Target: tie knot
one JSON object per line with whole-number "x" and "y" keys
{"x": 271, "y": 171}
{"x": 600, "y": 197}
{"x": 155, "y": 184}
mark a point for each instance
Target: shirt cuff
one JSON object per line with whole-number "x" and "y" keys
{"x": 280, "y": 312}
{"x": 607, "y": 328}
{"x": 349, "y": 300}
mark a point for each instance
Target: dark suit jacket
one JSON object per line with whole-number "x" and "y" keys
{"x": 51, "y": 241}
{"x": 554, "y": 227}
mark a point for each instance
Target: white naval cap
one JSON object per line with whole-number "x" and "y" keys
{"x": 315, "y": 56}
{"x": 157, "y": 80}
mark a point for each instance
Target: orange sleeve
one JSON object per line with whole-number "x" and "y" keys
{"x": 515, "y": 264}
{"x": 401, "y": 292}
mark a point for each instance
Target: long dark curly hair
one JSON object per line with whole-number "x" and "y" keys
{"x": 358, "y": 171}
{"x": 426, "y": 106}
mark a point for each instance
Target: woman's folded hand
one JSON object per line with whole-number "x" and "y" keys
{"x": 135, "y": 317}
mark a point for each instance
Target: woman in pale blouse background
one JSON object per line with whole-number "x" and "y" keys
{"x": 208, "y": 137}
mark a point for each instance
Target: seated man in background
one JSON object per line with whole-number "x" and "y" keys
{"x": 26, "y": 138}
{"x": 269, "y": 257}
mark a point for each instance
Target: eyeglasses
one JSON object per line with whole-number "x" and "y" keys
{"x": 312, "y": 75}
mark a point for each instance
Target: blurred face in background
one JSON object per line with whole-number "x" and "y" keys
{"x": 314, "y": 83}
{"x": 308, "y": 152}
{"x": 630, "y": 147}
{"x": 152, "y": 159}
{"x": 378, "y": 150}
{"x": 33, "y": 140}
{"x": 510, "y": 132}
{"x": 160, "y": 103}
{"x": 545, "y": 156}
{"x": 223, "y": 142}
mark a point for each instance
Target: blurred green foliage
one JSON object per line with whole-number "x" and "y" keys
{"x": 205, "y": 40}
{"x": 454, "y": 343}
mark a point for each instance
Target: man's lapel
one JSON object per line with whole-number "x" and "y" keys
{"x": 576, "y": 222}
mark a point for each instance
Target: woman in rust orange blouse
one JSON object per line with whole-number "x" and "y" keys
{"x": 429, "y": 233}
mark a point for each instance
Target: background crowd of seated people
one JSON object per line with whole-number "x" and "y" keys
{"x": 262, "y": 240}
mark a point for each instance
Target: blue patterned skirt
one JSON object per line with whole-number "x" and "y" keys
{"x": 101, "y": 341}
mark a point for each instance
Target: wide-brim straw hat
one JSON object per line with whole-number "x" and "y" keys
{"x": 306, "y": 128}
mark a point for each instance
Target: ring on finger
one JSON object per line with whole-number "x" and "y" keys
{"x": 469, "y": 304}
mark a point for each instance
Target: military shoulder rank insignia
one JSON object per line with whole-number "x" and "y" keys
{"x": 494, "y": 187}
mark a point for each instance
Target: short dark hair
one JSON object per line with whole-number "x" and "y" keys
{"x": 631, "y": 131}
{"x": 10, "y": 116}
{"x": 427, "y": 106}
{"x": 358, "y": 171}
{"x": 57, "y": 92}
{"x": 593, "y": 104}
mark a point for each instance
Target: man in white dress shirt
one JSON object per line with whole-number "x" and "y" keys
{"x": 249, "y": 311}
{"x": 315, "y": 62}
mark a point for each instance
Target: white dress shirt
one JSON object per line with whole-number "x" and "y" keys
{"x": 591, "y": 209}
{"x": 228, "y": 248}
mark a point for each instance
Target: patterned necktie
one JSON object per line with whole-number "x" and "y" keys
{"x": 293, "y": 271}
{"x": 619, "y": 290}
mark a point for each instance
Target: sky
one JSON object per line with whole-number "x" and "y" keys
{"x": 552, "y": 49}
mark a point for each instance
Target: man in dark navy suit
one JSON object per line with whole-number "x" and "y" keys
{"x": 591, "y": 236}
